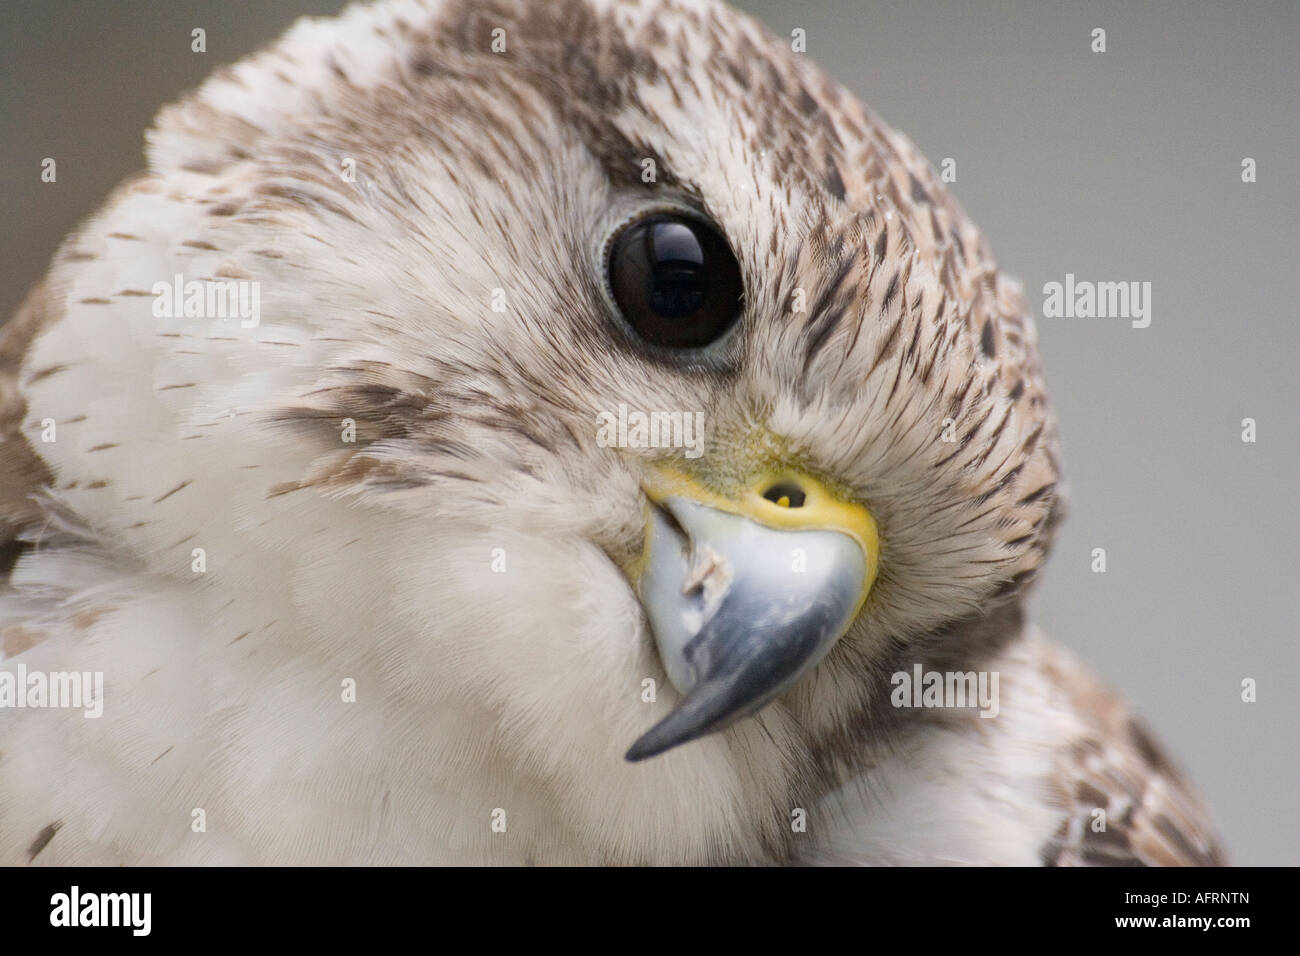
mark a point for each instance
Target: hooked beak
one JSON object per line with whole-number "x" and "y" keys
{"x": 745, "y": 595}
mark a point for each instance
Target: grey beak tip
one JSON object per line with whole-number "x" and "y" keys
{"x": 640, "y": 751}
{"x": 658, "y": 739}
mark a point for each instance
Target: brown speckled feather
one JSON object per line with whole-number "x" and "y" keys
{"x": 1152, "y": 817}
{"x": 22, "y": 473}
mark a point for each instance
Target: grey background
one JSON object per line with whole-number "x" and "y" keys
{"x": 1116, "y": 166}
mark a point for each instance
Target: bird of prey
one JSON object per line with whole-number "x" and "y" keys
{"x": 353, "y": 447}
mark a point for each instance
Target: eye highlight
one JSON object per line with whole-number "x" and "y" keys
{"x": 675, "y": 280}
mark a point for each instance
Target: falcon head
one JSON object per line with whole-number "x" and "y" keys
{"x": 484, "y": 231}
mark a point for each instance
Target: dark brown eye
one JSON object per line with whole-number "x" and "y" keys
{"x": 675, "y": 281}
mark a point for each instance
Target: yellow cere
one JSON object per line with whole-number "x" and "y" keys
{"x": 821, "y": 510}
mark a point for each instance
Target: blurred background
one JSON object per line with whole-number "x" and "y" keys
{"x": 1115, "y": 166}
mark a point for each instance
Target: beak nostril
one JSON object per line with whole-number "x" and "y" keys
{"x": 787, "y": 494}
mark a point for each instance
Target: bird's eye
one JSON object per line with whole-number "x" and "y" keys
{"x": 675, "y": 280}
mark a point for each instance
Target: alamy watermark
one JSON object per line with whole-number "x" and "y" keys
{"x": 133, "y": 911}
{"x": 84, "y": 690}
{"x": 637, "y": 429}
{"x": 1083, "y": 299}
{"x": 209, "y": 299}
{"x": 946, "y": 689}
